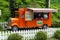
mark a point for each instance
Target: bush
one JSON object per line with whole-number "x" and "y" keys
{"x": 52, "y": 39}
{"x": 40, "y": 36}
{"x": 15, "y": 37}
{"x": 56, "y": 24}
{"x": 57, "y": 34}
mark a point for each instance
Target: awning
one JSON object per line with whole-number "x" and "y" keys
{"x": 43, "y": 10}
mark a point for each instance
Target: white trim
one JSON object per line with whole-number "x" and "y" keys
{"x": 43, "y": 10}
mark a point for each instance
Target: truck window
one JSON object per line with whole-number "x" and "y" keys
{"x": 38, "y": 15}
{"x": 46, "y": 15}
{"x": 16, "y": 14}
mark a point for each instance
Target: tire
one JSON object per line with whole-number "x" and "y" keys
{"x": 45, "y": 26}
{"x": 14, "y": 28}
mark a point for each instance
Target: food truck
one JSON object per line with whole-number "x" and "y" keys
{"x": 31, "y": 18}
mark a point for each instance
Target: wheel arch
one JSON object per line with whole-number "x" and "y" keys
{"x": 15, "y": 25}
{"x": 45, "y": 24}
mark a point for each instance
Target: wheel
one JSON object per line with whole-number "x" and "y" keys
{"x": 45, "y": 26}
{"x": 15, "y": 28}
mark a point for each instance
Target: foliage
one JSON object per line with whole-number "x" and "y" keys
{"x": 5, "y": 11}
{"x": 15, "y": 37}
{"x": 56, "y": 24}
{"x": 56, "y": 16}
{"x": 57, "y": 34}
{"x": 52, "y": 39}
{"x": 30, "y": 3}
{"x": 40, "y": 36}
{"x": 1, "y": 28}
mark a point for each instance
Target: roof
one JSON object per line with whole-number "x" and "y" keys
{"x": 43, "y": 10}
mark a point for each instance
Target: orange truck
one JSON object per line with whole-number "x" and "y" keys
{"x": 31, "y": 18}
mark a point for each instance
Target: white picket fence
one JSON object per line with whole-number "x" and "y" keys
{"x": 27, "y": 34}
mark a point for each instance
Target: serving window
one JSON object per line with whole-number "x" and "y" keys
{"x": 40, "y": 15}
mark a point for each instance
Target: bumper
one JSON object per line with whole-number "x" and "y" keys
{"x": 8, "y": 28}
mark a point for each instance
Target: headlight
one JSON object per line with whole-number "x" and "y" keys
{"x": 45, "y": 16}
